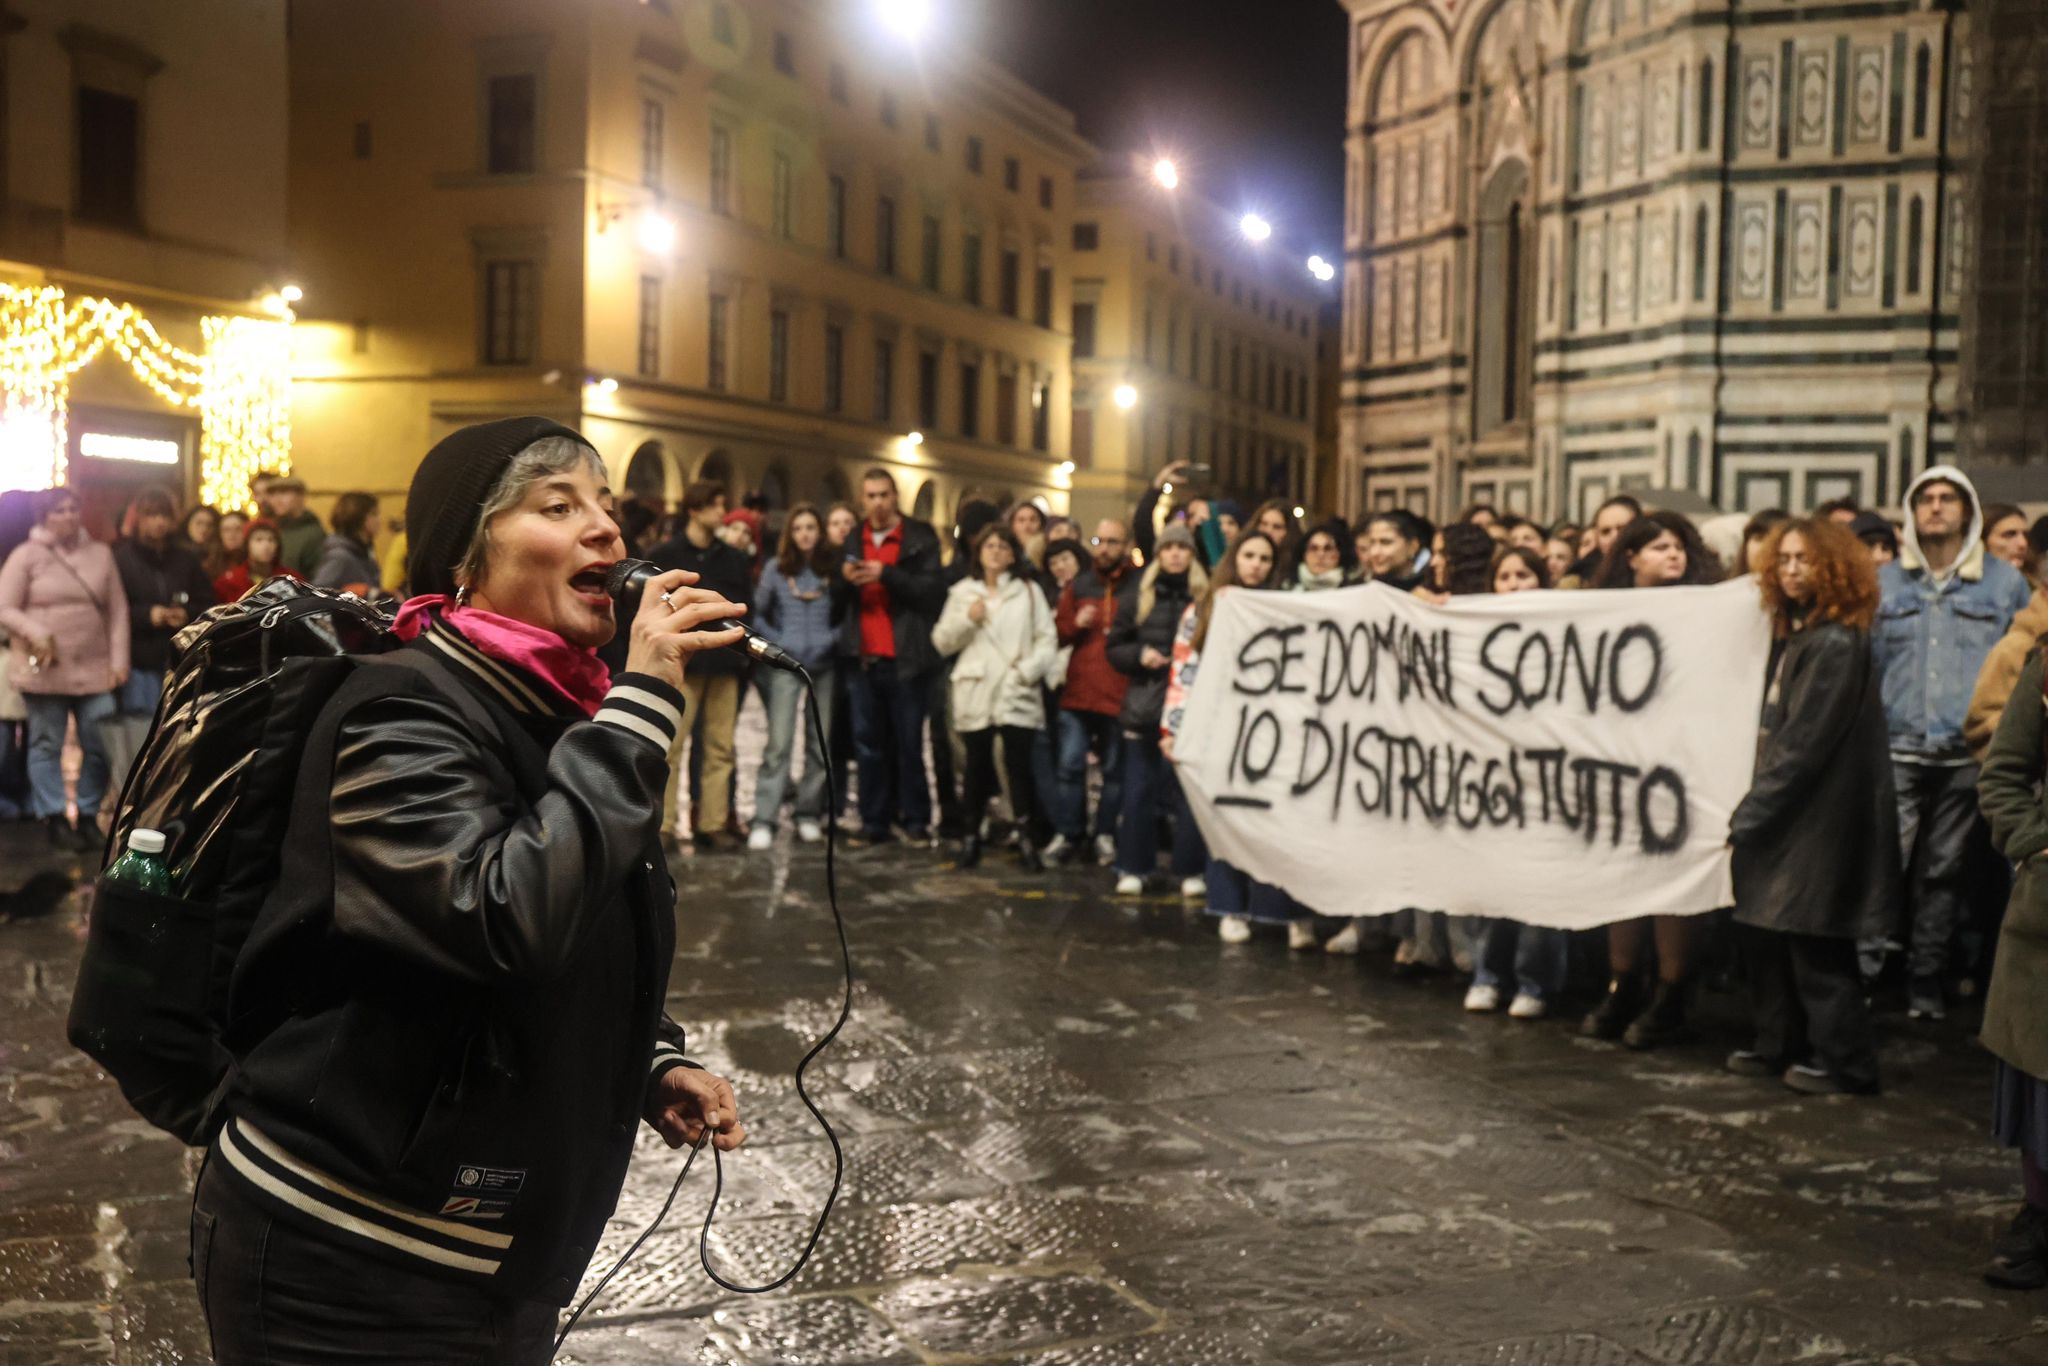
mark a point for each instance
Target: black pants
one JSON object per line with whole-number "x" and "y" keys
{"x": 271, "y": 1293}
{"x": 981, "y": 776}
{"x": 1808, "y": 1002}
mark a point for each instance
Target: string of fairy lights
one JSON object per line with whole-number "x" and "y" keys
{"x": 240, "y": 384}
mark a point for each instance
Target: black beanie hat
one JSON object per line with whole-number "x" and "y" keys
{"x": 450, "y": 488}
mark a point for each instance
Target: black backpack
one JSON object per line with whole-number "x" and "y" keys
{"x": 216, "y": 776}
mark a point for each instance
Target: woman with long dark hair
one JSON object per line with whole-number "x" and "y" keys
{"x": 448, "y": 1017}
{"x": 1816, "y": 837}
{"x": 793, "y": 608}
{"x": 1656, "y": 550}
{"x": 1235, "y": 899}
{"x": 998, "y": 629}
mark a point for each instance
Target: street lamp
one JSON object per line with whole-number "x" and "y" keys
{"x": 292, "y": 294}
{"x": 1165, "y": 174}
{"x": 1065, "y": 469}
{"x": 1254, "y": 228}
{"x": 1126, "y": 396}
{"x": 914, "y": 439}
{"x": 657, "y": 232}
{"x": 906, "y": 18}
{"x": 1321, "y": 269}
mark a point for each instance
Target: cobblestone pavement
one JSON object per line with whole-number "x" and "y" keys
{"x": 1082, "y": 1132}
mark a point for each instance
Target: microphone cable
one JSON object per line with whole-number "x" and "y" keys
{"x": 717, "y": 1159}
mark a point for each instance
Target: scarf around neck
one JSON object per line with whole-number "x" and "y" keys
{"x": 576, "y": 673}
{"x": 1310, "y": 581}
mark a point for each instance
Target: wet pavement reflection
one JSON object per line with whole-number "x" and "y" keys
{"x": 1080, "y": 1131}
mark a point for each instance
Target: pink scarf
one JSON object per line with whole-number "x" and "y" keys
{"x": 577, "y": 674}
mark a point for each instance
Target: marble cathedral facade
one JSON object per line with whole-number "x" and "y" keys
{"x": 1601, "y": 245}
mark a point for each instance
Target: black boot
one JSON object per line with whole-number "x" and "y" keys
{"x": 970, "y": 851}
{"x": 2019, "y": 1257}
{"x": 1610, "y": 1018}
{"x": 1663, "y": 1022}
{"x": 62, "y": 836}
{"x": 1028, "y": 857}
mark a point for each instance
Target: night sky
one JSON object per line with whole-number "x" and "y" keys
{"x": 1247, "y": 94}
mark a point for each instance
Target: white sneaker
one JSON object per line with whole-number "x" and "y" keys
{"x": 1129, "y": 884}
{"x": 1344, "y": 941}
{"x": 761, "y": 839}
{"x": 1194, "y": 888}
{"x": 809, "y": 832}
{"x": 1105, "y": 850}
{"x": 1234, "y": 929}
{"x": 1527, "y": 1007}
{"x": 1301, "y": 934}
{"x": 1057, "y": 851}
{"x": 1482, "y": 1000}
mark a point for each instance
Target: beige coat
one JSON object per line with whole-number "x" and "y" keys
{"x": 1003, "y": 659}
{"x": 72, "y": 595}
{"x": 2001, "y": 671}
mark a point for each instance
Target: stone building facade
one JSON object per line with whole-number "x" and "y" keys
{"x": 1601, "y": 245}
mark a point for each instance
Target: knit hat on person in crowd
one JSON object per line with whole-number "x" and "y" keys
{"x": 1228, "y": 507}
{"x": 1176, "y": 533}
{"x": 974, "y": 515}
{"x": 450, "y": 488}
{"x": 1872, "y": 527}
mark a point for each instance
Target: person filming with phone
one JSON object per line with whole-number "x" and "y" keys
{"x": 448, "y": 1017}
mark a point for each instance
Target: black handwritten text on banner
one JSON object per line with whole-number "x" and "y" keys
{"x": 1565, "y": 759}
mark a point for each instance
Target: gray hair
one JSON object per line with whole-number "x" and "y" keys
{"x": 549, "y": 456}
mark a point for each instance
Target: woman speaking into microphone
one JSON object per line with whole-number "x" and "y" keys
{"x": 448, "y": 1019}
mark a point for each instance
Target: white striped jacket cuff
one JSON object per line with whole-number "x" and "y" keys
{"x": 646, "y": 706}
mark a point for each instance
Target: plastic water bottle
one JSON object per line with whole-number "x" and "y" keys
{"x": 143, "y": 867}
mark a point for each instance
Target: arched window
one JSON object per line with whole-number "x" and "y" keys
{"x": 1706, "y": 99}
{"x": 1914, "y": 230}
{"x": 1699, "y": 255}
{"x": 775, "y": 487}
{"x": 717, "y": 468}
{"x": 1923, "y": 62}
{"x": 1505, "y": 341}
{"x": 927, "y": 500}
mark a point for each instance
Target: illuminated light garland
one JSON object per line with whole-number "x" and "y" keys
{"x": 240, "y": 385}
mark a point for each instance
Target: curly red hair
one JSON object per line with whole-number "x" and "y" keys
{"x": 1844, "y": 579}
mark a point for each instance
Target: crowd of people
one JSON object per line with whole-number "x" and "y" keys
{"x": 1018, "y": 684}
{"x": 88, "y": 623}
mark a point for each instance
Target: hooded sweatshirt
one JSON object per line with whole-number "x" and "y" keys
{"x": 1935, "y": 630}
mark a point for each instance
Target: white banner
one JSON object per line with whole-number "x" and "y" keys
{"x": 1564, "y": 759}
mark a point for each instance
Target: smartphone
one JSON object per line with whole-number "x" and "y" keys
{"x": 1200, "y": 473}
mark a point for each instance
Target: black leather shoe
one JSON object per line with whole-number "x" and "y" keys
{"x": 2019, "y": 1256}
{"x": 1664, "y": 1021}
{"x": 970, "y": 852}
{"x": 1610, "y": 1018}
{"x": 1028, "y": 858}
{"x": 61, "y": 834}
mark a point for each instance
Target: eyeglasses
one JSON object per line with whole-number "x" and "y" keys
{"x": 1105, "y": 540}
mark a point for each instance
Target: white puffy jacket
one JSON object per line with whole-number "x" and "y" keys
{"x": 1003, "y": 659}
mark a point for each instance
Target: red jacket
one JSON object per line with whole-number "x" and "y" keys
{"x": 1092, "y": 684}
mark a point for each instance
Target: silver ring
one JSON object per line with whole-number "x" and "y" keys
{"x": 665, "y": 601}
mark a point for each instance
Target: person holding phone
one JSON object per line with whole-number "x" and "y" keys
{"x": 166, "y": 586}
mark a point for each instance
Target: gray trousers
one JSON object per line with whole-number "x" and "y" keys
{"x": 1937, "y": 803}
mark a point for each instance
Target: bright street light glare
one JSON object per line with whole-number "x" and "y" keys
{"x": 1126, "y": 397}
{"x": 1165, "y": 174}
{"x": 1254, "y": 228}
{"x": 607, "y": 385}
{"x": 1321, "y": 269}
{"x": 1300, "y": 512}
{"x": 657, "y": 233}
{"x": 915, "y": 439}
{"x": 906, "y": 18}
{"x": 1065, "y": 467}
{"x": 292, "y": 294}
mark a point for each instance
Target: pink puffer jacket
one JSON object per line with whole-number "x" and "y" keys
{"x": 72, "y": 595}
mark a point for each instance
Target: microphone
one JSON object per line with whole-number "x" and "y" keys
{"x": 627, "y": 580}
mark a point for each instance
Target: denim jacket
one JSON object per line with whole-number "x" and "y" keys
{"x": 1931, "y": 639}
{"x": 795, "y": 615}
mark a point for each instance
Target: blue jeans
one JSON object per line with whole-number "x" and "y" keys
{"x": 140, "y": 694}
{"x": 1232, "y": 891}
{"x": 1078, "y": 733}
{"x": 1152, "y": 789}
{"x": 784, "y": 694}
{"x": 1533, "y": 958}
{"x": 888, "y": 737}
{"x": 47, "y": 715}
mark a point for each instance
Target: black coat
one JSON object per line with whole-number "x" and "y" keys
{"x": 153, "y": 578}
{"x": 1817, "y": 838}
{"x": 916, "y": 584}
{"x": 723, "y": 570}
{"x": 450, "y": 1009}
{"x": 1145, "y": 701}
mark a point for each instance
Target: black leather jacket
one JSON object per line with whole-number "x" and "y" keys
{"x": 448, "y": 1017}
